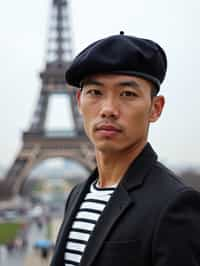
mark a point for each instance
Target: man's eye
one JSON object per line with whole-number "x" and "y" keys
{"x": 93, "y": 92}
{"x": 128, "y": 94}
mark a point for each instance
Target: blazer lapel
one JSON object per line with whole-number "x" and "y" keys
{"x": 119, "y": 202}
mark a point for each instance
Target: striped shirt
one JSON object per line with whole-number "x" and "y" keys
{"x": 84, "y": 222}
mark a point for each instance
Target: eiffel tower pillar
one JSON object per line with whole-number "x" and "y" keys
{"x": 38, "y": 143}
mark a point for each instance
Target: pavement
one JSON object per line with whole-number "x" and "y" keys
{"x": 35, "y": 256}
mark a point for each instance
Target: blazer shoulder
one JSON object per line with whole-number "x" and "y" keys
{"x": 177, "y": 230}
{"x": 163, "y": 185}
{"x": 166, "y": 177}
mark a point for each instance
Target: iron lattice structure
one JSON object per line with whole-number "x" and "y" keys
{"x": 38, "y": 143}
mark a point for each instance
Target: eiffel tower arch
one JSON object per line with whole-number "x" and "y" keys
{"x": 38, "y": 143}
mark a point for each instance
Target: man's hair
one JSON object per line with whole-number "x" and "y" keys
{"x": 154, "y": 90}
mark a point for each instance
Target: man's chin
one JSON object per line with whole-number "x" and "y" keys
{"x": 106, "y": 148}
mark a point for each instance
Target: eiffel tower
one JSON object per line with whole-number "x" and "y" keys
{"x": 38, "y": 143}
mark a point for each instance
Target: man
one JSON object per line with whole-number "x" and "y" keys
{"x": 132, "y": 211}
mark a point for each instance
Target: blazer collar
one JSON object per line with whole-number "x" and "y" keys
{"x": 139, "y": 168}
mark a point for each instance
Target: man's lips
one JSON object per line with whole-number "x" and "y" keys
{"x": 108, "y": 130}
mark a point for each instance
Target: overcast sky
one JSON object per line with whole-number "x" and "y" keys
{"x": 174, "y": 24}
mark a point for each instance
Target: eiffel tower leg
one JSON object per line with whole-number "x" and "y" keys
{"x": 18, "y": 172}
{"x": 36, "y": 149}
{"x": 39, "y": 117}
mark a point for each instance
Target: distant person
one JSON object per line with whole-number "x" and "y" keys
{"x": 132, "y": 211}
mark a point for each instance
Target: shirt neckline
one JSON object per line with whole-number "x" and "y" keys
{"x": 96, "y": 186}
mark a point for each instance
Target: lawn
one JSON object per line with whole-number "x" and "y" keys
{"x": 8, "y": 231}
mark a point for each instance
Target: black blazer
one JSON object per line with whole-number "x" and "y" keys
{"x": 152, "y": 219}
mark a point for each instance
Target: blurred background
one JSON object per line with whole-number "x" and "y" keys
{"x": 29, "y": 220}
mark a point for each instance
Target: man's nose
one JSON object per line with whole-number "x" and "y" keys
{"x": 109, "y": 108}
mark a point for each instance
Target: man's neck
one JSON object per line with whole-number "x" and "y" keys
{"x": 112, "y": 167}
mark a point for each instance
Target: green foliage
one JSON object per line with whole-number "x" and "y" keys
{"x": 38, "y": 186}
{"x": 49, "y": 230}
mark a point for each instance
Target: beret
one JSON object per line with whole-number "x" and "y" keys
{"x": 119, "y": 54}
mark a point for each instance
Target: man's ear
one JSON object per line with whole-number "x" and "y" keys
{"x": 78, "y": 100}
{"x": 158, "y": 103}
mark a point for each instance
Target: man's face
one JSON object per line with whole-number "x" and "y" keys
{"x": 117, "y": 110}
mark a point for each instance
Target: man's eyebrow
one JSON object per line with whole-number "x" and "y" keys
{"x": 129, "y": 83}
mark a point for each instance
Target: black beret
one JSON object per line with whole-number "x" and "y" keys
{"x": 120, "y": 54}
